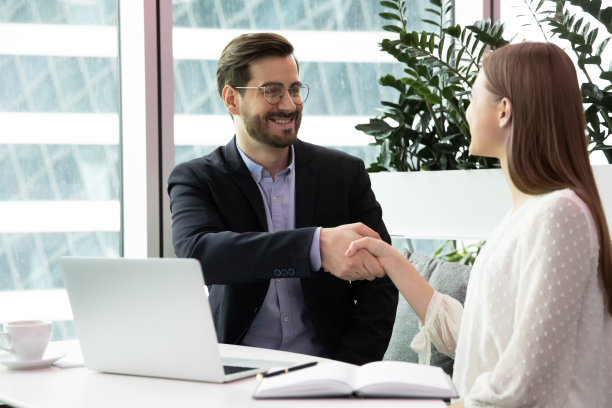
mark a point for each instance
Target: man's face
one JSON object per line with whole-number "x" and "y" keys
{"x": 271, "y": 125}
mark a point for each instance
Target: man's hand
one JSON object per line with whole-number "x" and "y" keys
{"x": 333, "y": 244}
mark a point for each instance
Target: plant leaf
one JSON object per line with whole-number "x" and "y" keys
{"x": 390, "y": 16}
{"x": 390, "y": 4}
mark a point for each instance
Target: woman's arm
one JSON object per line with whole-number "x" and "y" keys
{"x": 440, "y": 314}
{"x": 409, "y": 282}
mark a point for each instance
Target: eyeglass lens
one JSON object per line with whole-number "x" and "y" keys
{"x": 274, "y": 93}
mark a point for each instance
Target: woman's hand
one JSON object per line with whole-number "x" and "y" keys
{"x": 385, "y": 253}
{"x": 333, "y": 243}
{"x": 406, "y": 278}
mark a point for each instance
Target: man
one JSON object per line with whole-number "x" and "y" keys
{"x": 269, "y": 217}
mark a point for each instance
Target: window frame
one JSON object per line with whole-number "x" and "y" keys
{"x": 147, "y": 126}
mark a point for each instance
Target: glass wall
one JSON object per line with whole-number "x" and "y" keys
{"x": 59, "y": 141}
{"x": 336, "y": 42}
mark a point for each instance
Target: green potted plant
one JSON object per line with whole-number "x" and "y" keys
{"x": 425, "y": 129}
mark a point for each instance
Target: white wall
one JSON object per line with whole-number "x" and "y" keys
{"x": 459, "y": 204}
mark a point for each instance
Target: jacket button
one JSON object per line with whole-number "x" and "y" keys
{"x": 291, "y": 271}
{"x": 277, "y": 273}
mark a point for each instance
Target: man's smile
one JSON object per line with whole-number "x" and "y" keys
{"x": 283, "y": 121}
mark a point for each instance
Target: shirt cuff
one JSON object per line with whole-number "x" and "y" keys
{"x": 315, "y": 252}
{"x": 421, "y": 343}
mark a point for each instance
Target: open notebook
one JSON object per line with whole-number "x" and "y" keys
{"x": 380, "y": 379}
{"x": 148, "y": 317}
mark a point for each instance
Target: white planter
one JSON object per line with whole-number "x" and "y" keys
{"x": 459, "y": 204}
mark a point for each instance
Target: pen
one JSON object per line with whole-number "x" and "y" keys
{"x": 287, "y": 370}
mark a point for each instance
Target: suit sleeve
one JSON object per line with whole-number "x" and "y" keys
{"x": 369, "y": 331}
{"x": 201, "y": 218}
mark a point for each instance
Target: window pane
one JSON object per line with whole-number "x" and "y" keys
{"x": 59, "y": 144}
{"x": 336, "y": 42}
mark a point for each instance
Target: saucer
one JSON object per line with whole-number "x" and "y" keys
{"x": 9, "y": 362}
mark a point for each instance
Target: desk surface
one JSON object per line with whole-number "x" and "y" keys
{"x": 81, "y": 387}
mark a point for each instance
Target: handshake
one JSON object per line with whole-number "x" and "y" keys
{"x": 354, "y": 252}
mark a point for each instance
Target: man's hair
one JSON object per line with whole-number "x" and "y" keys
{"x": 548, "y": 147}
{"x": 233, "y": 65}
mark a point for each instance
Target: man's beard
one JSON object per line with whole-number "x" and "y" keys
{"x": 257, "y": 128}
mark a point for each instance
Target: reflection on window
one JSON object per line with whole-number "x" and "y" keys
{"x": 59, "y": 140}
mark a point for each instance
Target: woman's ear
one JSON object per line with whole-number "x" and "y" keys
{"x": 230, "y": 99}
{"x": 505, "y": 113}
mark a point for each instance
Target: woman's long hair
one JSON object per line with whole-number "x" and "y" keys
{"x": 548, "y": 148}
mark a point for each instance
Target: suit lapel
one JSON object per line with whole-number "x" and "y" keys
{"x": 305, "y": 185}
{"x": 245, "y": 182}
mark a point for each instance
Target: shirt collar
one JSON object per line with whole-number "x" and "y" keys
{"x": 257, "y": 171}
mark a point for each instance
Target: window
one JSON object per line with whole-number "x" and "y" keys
{"x": 59, "y": 148}
{"x": 335, "y": 41}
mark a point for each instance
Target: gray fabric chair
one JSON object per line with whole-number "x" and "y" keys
{"x": 446, "y": 277}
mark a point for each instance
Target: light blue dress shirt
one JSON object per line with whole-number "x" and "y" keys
{"x": 282, "y": 322}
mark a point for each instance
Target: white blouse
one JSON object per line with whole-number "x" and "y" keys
{"x": 535, "y": 330}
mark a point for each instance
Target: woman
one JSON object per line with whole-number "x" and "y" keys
{"x": 536, "y": 327}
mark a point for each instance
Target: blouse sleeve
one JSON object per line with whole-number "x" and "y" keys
{"x": 442, "y": 321}
{"x": 557, "y": 258}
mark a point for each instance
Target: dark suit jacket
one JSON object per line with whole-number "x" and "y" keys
{"x": 218, "y": 217}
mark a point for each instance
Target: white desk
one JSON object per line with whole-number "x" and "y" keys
{"x": 81, "y": 387}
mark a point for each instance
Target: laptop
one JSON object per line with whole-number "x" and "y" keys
{"x": 149, "y": 317}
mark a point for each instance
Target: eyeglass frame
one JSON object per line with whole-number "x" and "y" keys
{"x": 279, "y": 85}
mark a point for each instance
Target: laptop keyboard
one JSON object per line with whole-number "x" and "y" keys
{"x": 235, "y": 369}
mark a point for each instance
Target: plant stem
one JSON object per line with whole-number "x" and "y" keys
{"x": 437, "y": 125}
{"x": 401, "y": 13}
{"x": 606, "y": 118}
{"x": 443, "y": 63}
{"x": 536, "y": 19}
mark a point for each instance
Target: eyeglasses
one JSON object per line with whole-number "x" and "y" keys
{"x": 274, "y": 93}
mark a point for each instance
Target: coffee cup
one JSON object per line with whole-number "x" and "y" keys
{"x": 26, "y": 340}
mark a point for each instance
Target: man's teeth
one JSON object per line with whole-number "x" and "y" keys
{"x": 281, "y": 121}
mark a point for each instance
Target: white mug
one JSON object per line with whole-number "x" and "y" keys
{"x": 27, "y": 339}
